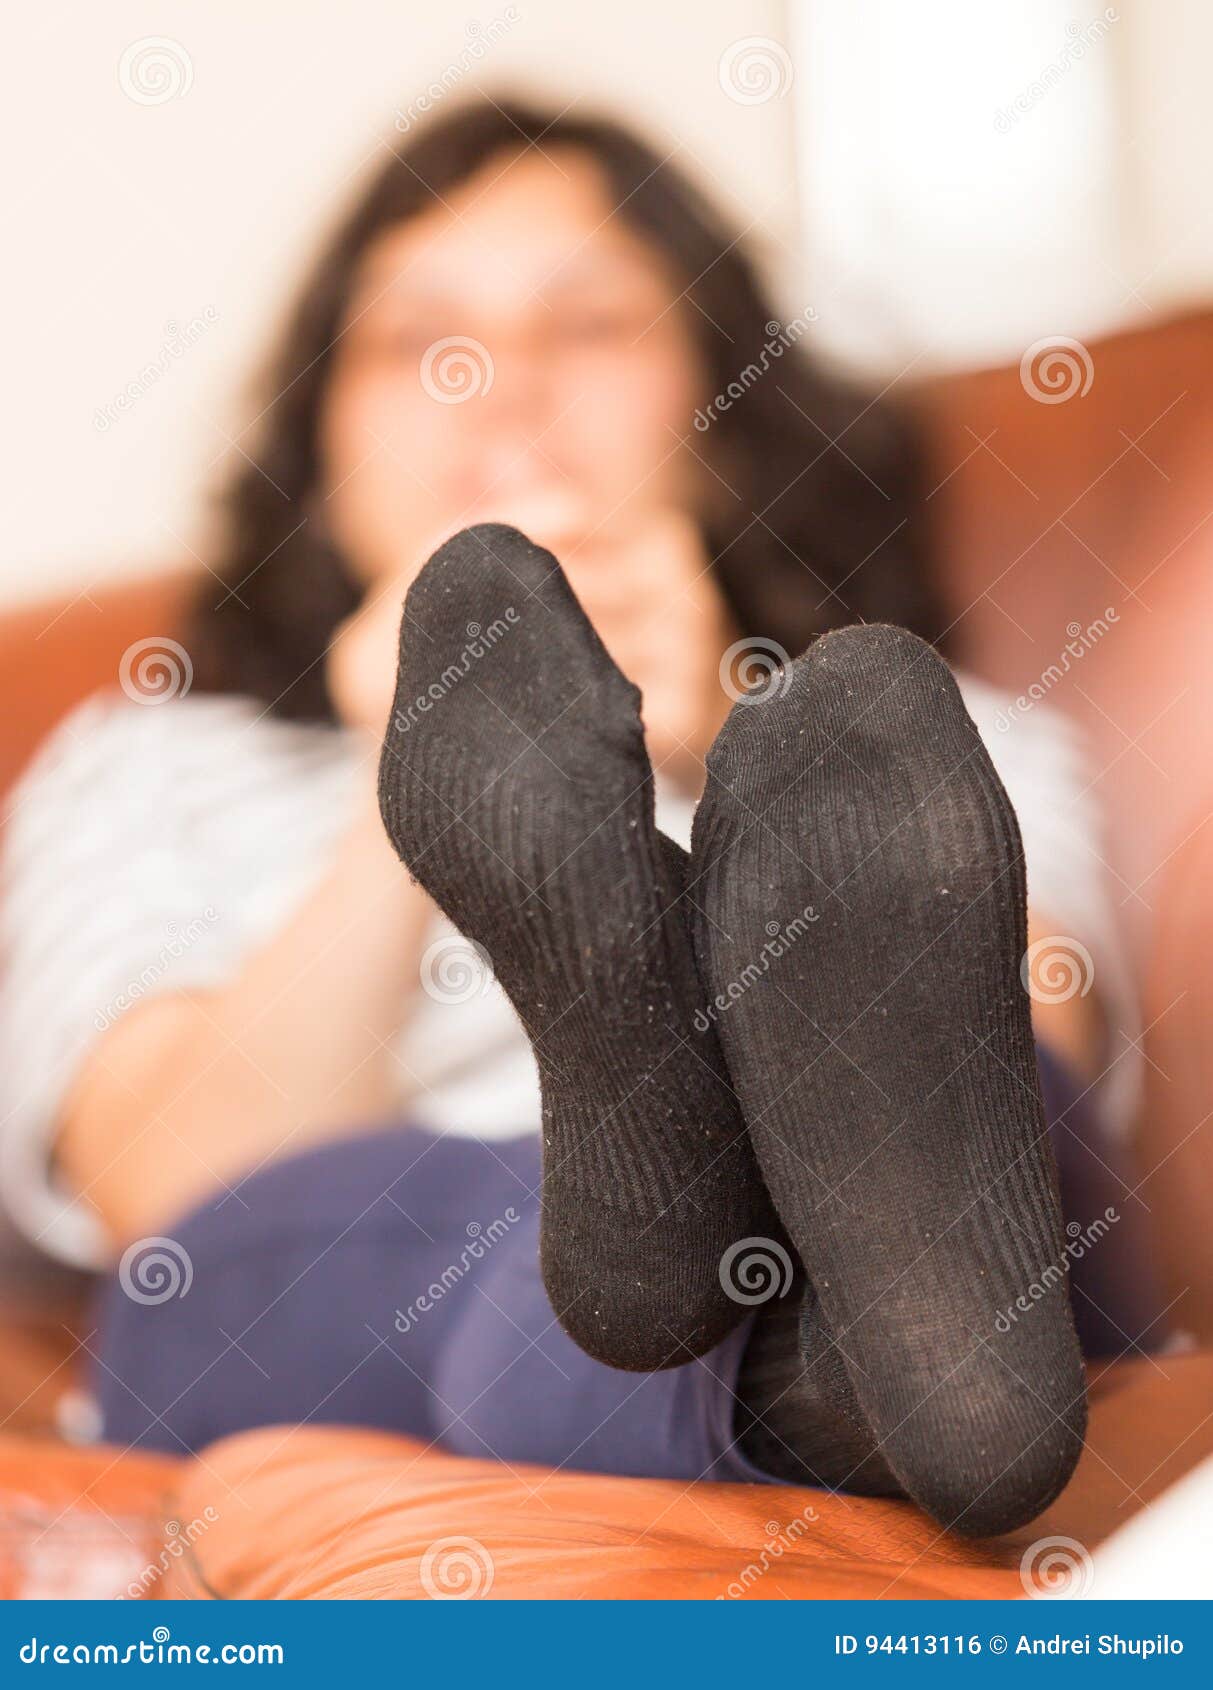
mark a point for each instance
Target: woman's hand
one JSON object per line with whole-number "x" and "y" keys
{"x": 364, "y": 650}
{"x": 650, "y": 593}
{"x": 362, "y": 659}
{"x": 648, "y": 589}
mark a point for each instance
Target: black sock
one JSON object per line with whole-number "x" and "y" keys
{"x": 862, "y": 869}
{"x": 798, "y": 1417}
{"x": 515, "y": 785}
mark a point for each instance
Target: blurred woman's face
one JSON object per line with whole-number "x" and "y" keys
{"x": 516, "y": 353}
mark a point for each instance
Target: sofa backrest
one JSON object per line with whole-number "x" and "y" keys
{"x": 53, "y": 653}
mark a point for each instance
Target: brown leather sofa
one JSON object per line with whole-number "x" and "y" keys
{"x": 1045, "y": 515}
{"x": 310, "y": 1512}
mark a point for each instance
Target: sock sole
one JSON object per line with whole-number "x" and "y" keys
{"x": 516, "y": 787}
{"x": 886, "y": 1065}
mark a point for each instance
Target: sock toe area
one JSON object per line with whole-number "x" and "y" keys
{"x": 492, "y": 637}
{"x": 493, "y": 550}
{"x": 993, "y": 1482}
{"x": 876, "y": 683}
{"x": 489, "y": 571}
{"x": 867, "y": 684}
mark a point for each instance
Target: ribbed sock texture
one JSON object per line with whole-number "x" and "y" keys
{"x": 515, "y": 785}
{"x": 862, "y": 874}
{"x": 798, "y": 1417}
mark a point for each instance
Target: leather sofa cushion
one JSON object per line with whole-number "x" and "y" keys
{"x": 329, "y": 1513}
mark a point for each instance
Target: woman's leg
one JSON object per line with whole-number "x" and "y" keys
{"x": 884, "y": 1058}
{"x": 323, "y": 1290}
{"x": 1115, "y": 1292}
{"x": 523, "y": 801}
{"x": 1106, "y": 1260}
{"x": 885, "y": 1069}
{"x": 524, "y": 804}
{"x": 641, "y": 1212}
{"x": 392, "y": 1281}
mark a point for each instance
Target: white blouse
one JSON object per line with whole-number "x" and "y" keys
{"x": 153, "y": 847}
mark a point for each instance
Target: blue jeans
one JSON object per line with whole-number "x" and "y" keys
{"x": 392, "y": 1281}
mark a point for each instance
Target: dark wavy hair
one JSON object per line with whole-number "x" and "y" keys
{"x": 811, "y": 522}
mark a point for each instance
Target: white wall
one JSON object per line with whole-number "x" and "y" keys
{"x": 1166, "y": 148}
{"x": 976, "y": 176}
{"x": 877, "y": 180}
{"x": 127, "y": 221}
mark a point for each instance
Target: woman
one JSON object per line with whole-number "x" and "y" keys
{"x": 519, "y": 323}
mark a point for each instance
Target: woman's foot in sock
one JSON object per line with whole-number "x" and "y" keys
{"x": 797, "y": 1415}
{"x": 861, "y": 869}
{"x": 515, "y": 785}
